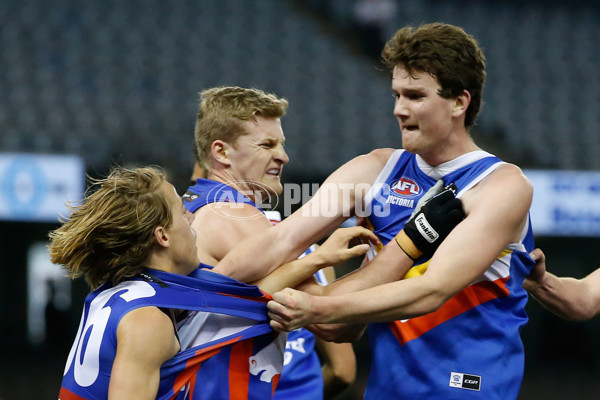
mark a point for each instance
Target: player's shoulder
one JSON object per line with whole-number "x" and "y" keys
{"x": 145, "y": 320}
{"x": 511, "y": 174}
{"x": 233, "y": 213}
{"x": 381, "y": 155}
{"x": 375, "y": 158}
{"x": 147, "y": 332}
{"x": 362, "y": 169}
{"x": 508, "y": 182}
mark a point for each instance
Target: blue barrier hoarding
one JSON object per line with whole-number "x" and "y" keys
{"x": 565, "y": 203}
{"x": 35, "y": 187}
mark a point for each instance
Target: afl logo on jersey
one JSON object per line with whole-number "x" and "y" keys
{"x": 406, "y": 187}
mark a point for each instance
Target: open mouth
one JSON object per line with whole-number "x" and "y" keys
{"x": 410, "y": 128}
{"x": 273, "y": 172}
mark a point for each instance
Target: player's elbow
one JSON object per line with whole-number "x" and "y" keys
{"x": 335, "y": 335}
{"x": 342, "y": 376}
{"x": 339, "y": 333}
{"x": 434, "y": 297}
{"x": 581, "y": 310}
{"x": 432, "y": 303}
{"x": 581, "y": 303}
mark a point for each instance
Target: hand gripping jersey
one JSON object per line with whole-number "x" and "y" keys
{"x": 236, "y": 360}
{"x": 204, "y": 192}
{"x": 471, "y": 347}
{"x": 301, "y": 377}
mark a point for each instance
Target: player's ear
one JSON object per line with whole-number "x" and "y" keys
{"x": 461, "y": 103}
{"x": 161, "y": 236}
{"x": 219, "y": 151}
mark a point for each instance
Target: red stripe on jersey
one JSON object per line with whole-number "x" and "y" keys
{"x": 66, "y": 394}
{"x": 192, "y": 367}
{"x": 265, "y": 299}
{"x": 275, "y": 383}
{"x": 192, "y": 388}
{"x": 239, "y": 371}
{"x": 194, "y": 363}
{"x": 467, "y": 299}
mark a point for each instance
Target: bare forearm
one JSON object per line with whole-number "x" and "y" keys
{"x": 291, "y": 274}
{"x": 339, "y": 366}
{"x": 391, "y": 264}
{"x": 334, "y": 383}
{"x": 568, "y": 298}
{"x": 393, "y": 301}
{"x": 256, "y": 257}
{"x": 246, "y": 264}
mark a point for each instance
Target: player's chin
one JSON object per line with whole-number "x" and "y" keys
{"x": 272, "y": 186}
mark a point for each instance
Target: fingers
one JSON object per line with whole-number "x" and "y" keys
{"x": 443, "y": 198}
{"x": 454, "y": 210}
{"x": 365, "y": 234}
{"x": 426, "y": 197}
{"x": 345, "y": 254}
{"x": 277, "y": 313}
{"x": 278, "y": 320}
{"x": 538, "y": 255}
{"x": 358, "y": 250}
{"x": 434, "y": 191}
{"x": 276, "y": 326}
{"x": 283, "y": 297}
{"x": 438, "y": 186}
{"x": 361, "y": 232}
{"x": 282, "y": 310}
{"x": 274, "y": 307}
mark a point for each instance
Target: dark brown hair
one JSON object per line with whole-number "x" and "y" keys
{"x": 447, "y": 53}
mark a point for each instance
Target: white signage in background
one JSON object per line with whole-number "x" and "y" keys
{"x": 565, "y": 203}
{"x": 47, "y": 289}
{"x": 35, "y": 187}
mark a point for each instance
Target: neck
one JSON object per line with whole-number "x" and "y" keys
{"x": 226, "y": 177}
{"x": 442, "y": 153}
{"x": 161, "y": 262}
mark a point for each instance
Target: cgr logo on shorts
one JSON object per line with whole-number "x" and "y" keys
{"x": 465, "y": 381}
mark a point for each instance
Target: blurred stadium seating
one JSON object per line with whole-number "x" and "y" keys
{"x": 118, "y": 81}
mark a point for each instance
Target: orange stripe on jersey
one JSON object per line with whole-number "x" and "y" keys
{"x": 192, "y": 388}
{"x": 275, "y": 383}
{"x": 239, "y": 372}
{"x": 265, "y": 299}
{"x": 194, "y": 364}
{"x": 66, "y": 394}
{"x": 467, "y": 299}
{"x": 192, "y": 367}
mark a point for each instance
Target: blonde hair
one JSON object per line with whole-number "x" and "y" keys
{"x": 110, "y": 234}
{"x": 222, "y": 111}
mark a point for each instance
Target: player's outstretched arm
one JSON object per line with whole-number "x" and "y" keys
{"x": 496, "y": 212}
{"x": 440, "y": 214}
{"x": 333, "y": 203}
{"x": 570, "y": 298}
{"x": 334, "y": 251}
